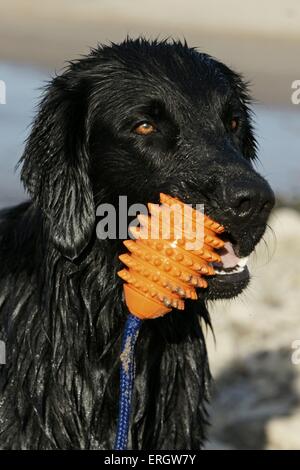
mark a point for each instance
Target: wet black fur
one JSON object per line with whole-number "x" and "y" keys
{"x": 61, "y": 308}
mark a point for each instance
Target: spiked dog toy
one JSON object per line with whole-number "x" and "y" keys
{"x": 160, "y": 273}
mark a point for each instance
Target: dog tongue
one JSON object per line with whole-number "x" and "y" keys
{"x": 229, "y": 258}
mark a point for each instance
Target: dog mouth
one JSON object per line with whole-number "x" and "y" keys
{"x": 231, "y": 264}
{"x": 231, "y": 274}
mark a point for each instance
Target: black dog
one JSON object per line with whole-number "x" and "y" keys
{"x": 133, "y": 119}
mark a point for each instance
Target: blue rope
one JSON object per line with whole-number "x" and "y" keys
{"x": 127, "y": 372}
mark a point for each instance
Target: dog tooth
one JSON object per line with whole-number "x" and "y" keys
{"x": 243, "y": 261}
{"x": 222, "y": 273}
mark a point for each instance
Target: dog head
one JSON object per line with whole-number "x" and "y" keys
{"x": 141, "y": 118}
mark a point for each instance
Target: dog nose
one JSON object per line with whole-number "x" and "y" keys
{"x": 249, "y": 199}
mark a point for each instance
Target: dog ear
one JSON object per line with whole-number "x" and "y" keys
{"x": 56, "y": 165}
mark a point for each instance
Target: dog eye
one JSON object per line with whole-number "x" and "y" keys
{"x": 234, "y": 124}
{"x": 144, "y": 128}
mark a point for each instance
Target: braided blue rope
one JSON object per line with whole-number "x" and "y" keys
{"x": 127, "y": 373}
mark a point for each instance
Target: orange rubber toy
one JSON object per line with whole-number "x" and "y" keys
{"x": 160, "y": 271}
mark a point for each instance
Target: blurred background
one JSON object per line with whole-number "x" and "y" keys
{"x": 256, "y": 395}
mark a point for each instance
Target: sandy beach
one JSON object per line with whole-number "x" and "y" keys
{"x": 261, "y": 43}
{"x": 256, "y": 399}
